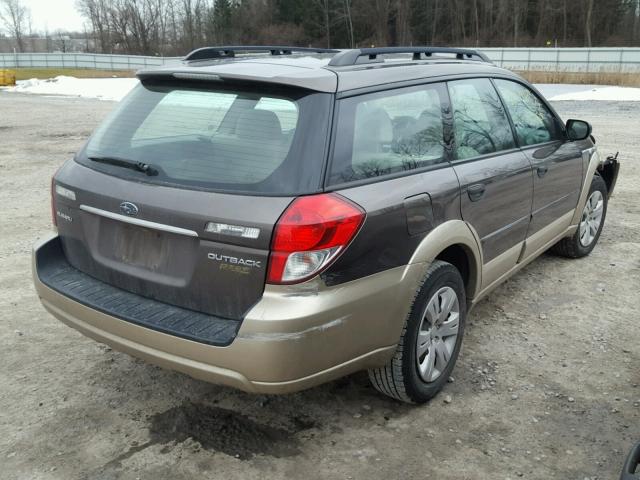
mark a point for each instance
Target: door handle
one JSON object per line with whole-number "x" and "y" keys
{"x": 542, "y": 170}
{"x": 475, "y": 191}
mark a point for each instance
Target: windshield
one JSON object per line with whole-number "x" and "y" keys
{"x": 228, "y": 139}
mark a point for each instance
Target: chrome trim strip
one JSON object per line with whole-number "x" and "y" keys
{"x": 139, "y": 222}
{"x": 526, "y": 218}
{"x": 558, "y": 200}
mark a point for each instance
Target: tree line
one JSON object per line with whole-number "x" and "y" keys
{"x": 173, "y": 27}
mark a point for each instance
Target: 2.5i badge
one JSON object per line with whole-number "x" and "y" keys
{"x": 234, "y": 264}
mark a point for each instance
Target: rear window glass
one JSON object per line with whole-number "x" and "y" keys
{"x": 258, "y": 141}
{"x": 185, "y": 113}
{"x": 388, "y": 132}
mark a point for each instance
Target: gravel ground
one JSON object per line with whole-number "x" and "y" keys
{"x": 547, "y": 386}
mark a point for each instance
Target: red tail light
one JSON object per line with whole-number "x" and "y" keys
{"x": 54, "y": 220}
{"x": 310, "y": 234}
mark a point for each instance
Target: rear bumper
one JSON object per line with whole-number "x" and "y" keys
{"x": 295, "y": 337}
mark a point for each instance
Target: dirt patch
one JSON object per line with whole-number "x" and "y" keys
{"x": 225, "y": 431}
{"x": 69, "y": 135}
{"x": 199, "y": 427}
{"x": 29, "y": 73}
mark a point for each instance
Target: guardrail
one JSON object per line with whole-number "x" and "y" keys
{"x": 549, "y": 59}
{"x": 93, "y": 61}
{"x": 566, "y": 59}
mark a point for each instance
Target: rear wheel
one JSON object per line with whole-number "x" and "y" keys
{"x": 586, "y": 236}
{"x": 431, "y": 338}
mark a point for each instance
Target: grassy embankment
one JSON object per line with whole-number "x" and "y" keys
{"x": 27, "y": 73}
{"x": 581, "y": 78}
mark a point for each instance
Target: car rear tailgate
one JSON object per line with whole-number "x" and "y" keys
{"x": 157, "y": 245}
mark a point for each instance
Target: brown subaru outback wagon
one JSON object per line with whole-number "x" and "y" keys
{"x": 271, "y": 218}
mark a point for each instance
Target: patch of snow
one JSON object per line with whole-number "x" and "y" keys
{"x": 116, "y": 88}
{"x": 560, "y": 92}
{"x": 113, "y": 89}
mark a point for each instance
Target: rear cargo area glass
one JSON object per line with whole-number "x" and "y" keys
{"x": 223, "y": 138}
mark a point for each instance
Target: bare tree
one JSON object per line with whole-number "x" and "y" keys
{"x": 349, "y": 22}
{"x": 516, "y": 20}
{"x": 61, "y": 41}
{"x": 476, "y": 18}
{"x": 191, "y": 10}
{"x": 636, "y": 21}
{"x": 325, "y": 9}
{"x": 587, "y": 23}
{"x": 380, "y": 11}
{"x": 16, "y": 19}
{"x": 173, "y": 27}
{"x": 434, "y": 22}
{"x": 402, "y": 15}
{"x": 564, "y": 21}
{"x": 97, "y": 12}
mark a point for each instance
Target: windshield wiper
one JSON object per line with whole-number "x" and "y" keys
{"x": 124, "y": 163}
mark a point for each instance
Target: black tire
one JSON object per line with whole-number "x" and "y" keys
{"x": 400, "y": 378}
{"x": 571, "y": 247}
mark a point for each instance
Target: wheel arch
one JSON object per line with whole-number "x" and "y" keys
{"x": 592, "y": 160}
{"x": 454, "y": 242}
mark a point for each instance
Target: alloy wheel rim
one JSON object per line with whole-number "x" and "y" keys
{"x": 437, "y": 334}
{"x": 591, "y": 218}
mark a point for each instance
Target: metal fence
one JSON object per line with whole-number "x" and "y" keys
{"x": 567, "y": 59}
{"x": 82, "y": 60}
{"x": 549, "y": 59}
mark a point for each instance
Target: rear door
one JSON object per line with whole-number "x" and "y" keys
{"x": 557, "y": 162}
{"x": 390, "y": 157}
{"x": 495, "y": 176}
{"x": 193, "y": 228}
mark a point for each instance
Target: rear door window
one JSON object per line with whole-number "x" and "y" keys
{"x": 225, "y": 139}
{"x": 388, "y": 132}
{"x": 480, "y": 123}
{"x": 533, "y": 121}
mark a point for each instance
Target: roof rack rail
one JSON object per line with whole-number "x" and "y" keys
{"x": 351, "y": 57}
{"x": 211, "y": 53}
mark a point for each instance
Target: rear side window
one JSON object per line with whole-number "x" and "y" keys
{"x": 479, "y": 121}
{"x": 533, "y": 121}
{"x": 237, "y": 140}
{"x": 388, "y": 132}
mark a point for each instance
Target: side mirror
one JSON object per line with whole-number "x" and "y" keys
{"x": 578, "y": 129}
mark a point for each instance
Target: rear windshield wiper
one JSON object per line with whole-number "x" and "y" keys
{"x": 123, "y": 162}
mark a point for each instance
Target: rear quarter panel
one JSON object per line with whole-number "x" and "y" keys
{"x": 385, "y": 240}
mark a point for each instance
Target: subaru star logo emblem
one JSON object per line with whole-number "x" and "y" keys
{"x": 129, "y": 209}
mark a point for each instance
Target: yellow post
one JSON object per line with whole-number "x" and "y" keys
{"x": 7, "y": 78}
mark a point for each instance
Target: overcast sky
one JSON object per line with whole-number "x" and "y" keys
{"x": 54, "y": 15}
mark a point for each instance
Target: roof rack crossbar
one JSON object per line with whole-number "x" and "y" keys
{"x": 212, "y": 53}
{"x": 351, "y": 57}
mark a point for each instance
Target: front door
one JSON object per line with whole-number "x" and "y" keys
{"x": 495, "y": 177}
{"x": 556, "y": 162}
